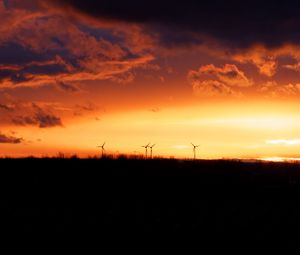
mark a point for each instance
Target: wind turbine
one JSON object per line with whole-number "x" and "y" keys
{"x": 151, "y": 147}
{"x": 102, "y": 148}
{"x": 146, "y": 148}
{"x": 194, "y": 150}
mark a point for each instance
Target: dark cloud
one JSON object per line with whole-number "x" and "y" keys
{"x": 41, "y": 118}
{"x": 50, "y": 69}
{"x": 238, "y": 23}
{"x": 14, "y": 53}
{"x": 19, "y": 64}
{"x": 47, "y": 120}
{"x": 9, "y": 139}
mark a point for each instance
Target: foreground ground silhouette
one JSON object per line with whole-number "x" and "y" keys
{"x": 212, "y": 200}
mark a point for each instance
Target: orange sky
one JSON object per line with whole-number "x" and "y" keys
{"x": 69, "y": 82}
{"x": 222, "y": 129}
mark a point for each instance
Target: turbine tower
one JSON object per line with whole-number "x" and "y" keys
{"x": 151, "y": 147}
{"x": 102, "y": 148}
{"x": 194, "y": 150}
{"x": 146, "y": 149}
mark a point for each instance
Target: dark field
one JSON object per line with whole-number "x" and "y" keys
{"x": 210, "y": 200}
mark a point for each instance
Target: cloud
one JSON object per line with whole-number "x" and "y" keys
{"x": 123, "y": 78}
{"x": 212, "y": 88}
{"x": 294, "y": 67}
{"x": 267, "y": 59}
{"x": 264, "y": 59}
{"x": 42, "y": 46}
{"x": 232, "y": 22}
{"x": 110, "y": 70}
{"x": 210, "y": 80}
{"x": 67, "y": 87}
{"x": 40, "y": 118}
{"x": 229, "y": 75}
{"x": 273, "y": 89}
{"x": 10, "y": 139}
{"x": 7, "y": 107}
{"x": 45, "y": 120}
{"x": 42, "y": 114}
{"x": 288, "y": 89}
{"x": 24, "y": 120}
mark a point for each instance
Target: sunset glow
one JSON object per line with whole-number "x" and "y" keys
{"x": 72, "y": 78}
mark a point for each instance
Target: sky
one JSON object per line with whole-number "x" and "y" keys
{"x": 224, "y": 75}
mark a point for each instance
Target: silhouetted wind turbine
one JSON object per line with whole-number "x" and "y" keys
{"x": 102, "y": 147}
{"x": 194, "y": 149}
{"x": 151, "y": 147}
{"x": 146, "y": 148}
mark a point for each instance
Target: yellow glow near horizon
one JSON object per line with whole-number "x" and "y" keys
{"x": 280, "y": 159}
{"x": 221, "y": 130}
{"x": 284, "y": 141}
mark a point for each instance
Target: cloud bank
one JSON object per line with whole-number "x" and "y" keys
{"x": 237, "y": 23}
